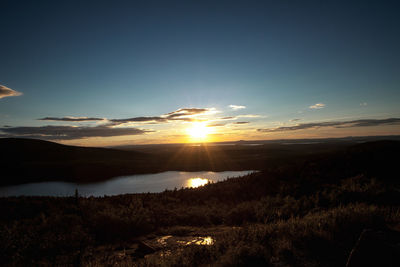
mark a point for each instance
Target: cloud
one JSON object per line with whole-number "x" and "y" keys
{"x": 216, "y": 125}
{"x": 232, "y": 118}
{"x": 67, "y": 132}
{"x": 228, "y": 123}
{"x": 248, "y": 116}
{"x": 317, "y": 106}
{"x": 140, "y": 119}
{"x": 68, "y": 118}
{"x": 188, "y": 113}
{"x": 182, "y": 114}
{"x": 5, "y": 92}
{"x": 229, "y": 118}
{"x": 336, "y": 124}
{"x": 363, "y": 104}
{"x": 292, "y": 120}
{"x": 115, "y": 121}
{"x": 236, "y": 107}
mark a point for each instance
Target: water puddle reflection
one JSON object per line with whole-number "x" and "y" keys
{"x": 202, "y": 240}
{"x": 170, "y": 240}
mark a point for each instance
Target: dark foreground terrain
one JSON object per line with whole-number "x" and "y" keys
{"x": 313, "y": 210}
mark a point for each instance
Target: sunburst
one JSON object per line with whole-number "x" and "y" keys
{"x": 198, "y": 131}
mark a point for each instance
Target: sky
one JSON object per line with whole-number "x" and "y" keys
{"x": 101, "y": 73}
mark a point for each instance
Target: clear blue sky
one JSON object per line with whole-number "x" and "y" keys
{"x": 129, "y": 59}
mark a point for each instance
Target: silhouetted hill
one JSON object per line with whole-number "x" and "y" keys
{"x": 34, "y": 149}
{"x": 27, "y": 160}
{"x": 378, "y": 158}
{"x": 30, "y": 160}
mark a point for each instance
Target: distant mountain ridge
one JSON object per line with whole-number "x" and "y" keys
{"x": 35, "y": 149}
{"x": 29, "y": 160}
{"x": 349, "y": 139}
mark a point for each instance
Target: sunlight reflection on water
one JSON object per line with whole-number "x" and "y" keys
{"x": 197, "y": 181}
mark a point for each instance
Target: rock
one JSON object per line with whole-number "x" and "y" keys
{"x": 144, "y": 249}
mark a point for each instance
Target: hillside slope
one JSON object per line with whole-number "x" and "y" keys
{"x": 29, "y": 160}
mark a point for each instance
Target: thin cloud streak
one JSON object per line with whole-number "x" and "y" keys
{"x": 140, "y": 119}
{"x": 317, "y": 106}
{"x": 187, "y": 111}
{"x": 248, "y": 116}
{"x": 70, "y": 119}
{"x": 232, "y": 118}
{"x": 216, "y": 125}
{"x": 183, "y": 114}
{"x": 68, "y": 132}
{"x": 6, "y": 92}
{"x": 335, "y": 124}
{"x": 237, "y": 107}
{"x": 229, "y": 118}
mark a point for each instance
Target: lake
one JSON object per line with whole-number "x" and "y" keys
{"x": 140, "y": 183}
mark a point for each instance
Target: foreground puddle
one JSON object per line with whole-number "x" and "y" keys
{"x": 172, "y": 241}
{"x": 156, "y": 246}
{"x": 201, "y": 240}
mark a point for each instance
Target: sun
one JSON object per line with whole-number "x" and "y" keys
{"x": 198, "y": 131}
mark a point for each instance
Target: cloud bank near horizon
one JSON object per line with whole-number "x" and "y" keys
{"x": 111, "y": 127}
{"x": 335, "y": 124}
{"x": 67, "y": 132}
{"x": 108, "y": 127}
